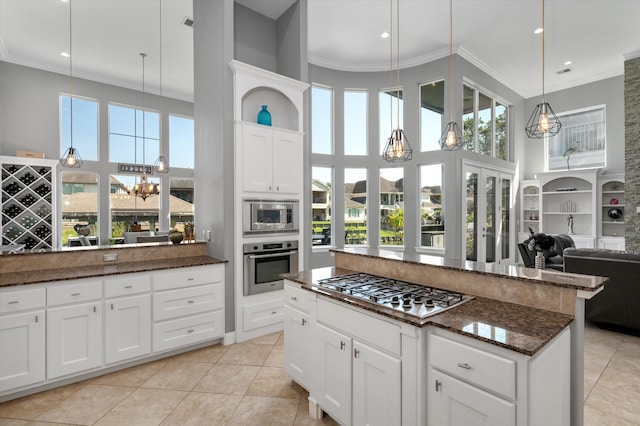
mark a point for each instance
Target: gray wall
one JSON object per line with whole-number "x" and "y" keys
{"x": 411, "y": 79}
{"x": 255, "y": 38}
{"x": 609, "y": 92}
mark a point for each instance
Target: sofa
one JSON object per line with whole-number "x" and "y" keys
{"x": 553, "y": 257}
{"x": 617, "y": 307}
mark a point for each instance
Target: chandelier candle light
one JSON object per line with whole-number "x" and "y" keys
{"x": 71, "y": 158}
{"x": 543, "y": 120}
{"x": 451, "y": 139}
{"x": 397, "y": 148}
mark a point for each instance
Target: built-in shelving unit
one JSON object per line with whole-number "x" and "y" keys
{"x": 530, "y": 206}
{"x": 28, "y": 202}
{"x": 611, "y": 224}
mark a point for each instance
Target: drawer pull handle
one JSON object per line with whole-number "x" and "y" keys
{"x": 36, "y": 318}
{"x": 273, "y": 312}
{"x": 190, "y": 301}
{"x": 304, "y": 321}
{"x": 438, "y": 385}
{"x": 356, "y": 353}
{"x": 342, "y": 345}
{"x": 189, "y": 279}
{"x": 75, "y": 294}
{"x": 294, "y": 298}
{"x": 190, "y": 331}
{"x": 14, "y": 302}
{"x": 465, "y": 366}
{"x": 128, "y": 286}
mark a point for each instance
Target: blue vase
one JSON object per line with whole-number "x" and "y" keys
{"x": 264, "y": 116}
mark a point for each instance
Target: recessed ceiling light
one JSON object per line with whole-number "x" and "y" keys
{"x": 384, "y": 35}
{"x": 568, "y": 62}
{"x": 64, "y": 1}
{"x": 65, "y": 54}
{"x": 538, "y": 31}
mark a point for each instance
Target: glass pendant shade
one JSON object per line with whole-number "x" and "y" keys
{"x": 451, "y": 139}
{"x": 397, "y": 147}
{"x": 161, "y": 165}
{"x": 543, "y": 121}
{"x": 71, "y": 159}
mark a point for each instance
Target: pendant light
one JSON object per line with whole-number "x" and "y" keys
{"x": 162, "y": 164}
{"x": 397, "y": 148}
{"x": 144, "y": 189}
{"x": 451, "y": 139}
{"x": 543, "y": 120}
{"x": 71, "y": 158}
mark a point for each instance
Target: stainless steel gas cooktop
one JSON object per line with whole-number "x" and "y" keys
{"x": 413, "y": 299}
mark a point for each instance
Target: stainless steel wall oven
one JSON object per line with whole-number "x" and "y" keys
{"x": 264, "y": 262}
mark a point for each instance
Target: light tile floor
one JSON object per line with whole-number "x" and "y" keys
{"x": 244, "y": 384}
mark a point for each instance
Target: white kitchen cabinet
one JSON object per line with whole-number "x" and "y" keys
{"x": 188, "y": 306}
{"x": 74, "y": 339}
{"x": 127, "y": 317}
{"x": 271, "y": 159}
{"x": 22, "y": 338}
{"x": 299, "y": 332}
{"x": 453, "y": 402}
{"x": 611, "y": 243}
{"x": 359, "y": 381}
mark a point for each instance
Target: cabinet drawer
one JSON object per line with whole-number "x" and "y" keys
{"x": 473, "y": 365}
{"x": 187, "y": 301}
{"x": 297, "y": 297}
{"x": 74, "y": 293}
{"x": 131, "y": 284}
{"x": 21, "y": 300}
{"x": 262, "y": 314}
{"x": 187, "y": 331}
{"x": 367, "y": 328}
{"x": 185, "y": 277}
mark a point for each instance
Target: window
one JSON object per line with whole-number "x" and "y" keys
{"x": 321, "y": 189}
{"x": 85, "y": 126}
{"x": 181, "y": 202}
{"x": 355, "y": 122}
{"x": 485, "y": 124}
{"x": 431, "y": 115}
{"x": 181, "y": 142}
{"x": 431, "y": 204}
{"x": 389, "y": 116}
{"x": 79, "y": 207}
{"x": 392, "y": 206}
{"x": 127, "y": 209}
{"x": 581, "y": 142}
{"x": 355, "y": 204}
{"x": 321, "y": 120}
{"x": 126, "y": 142}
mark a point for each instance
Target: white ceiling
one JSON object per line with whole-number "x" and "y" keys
{"x": 495, "y": 35}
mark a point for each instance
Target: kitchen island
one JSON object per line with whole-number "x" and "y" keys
{"x": 523, "y": 331}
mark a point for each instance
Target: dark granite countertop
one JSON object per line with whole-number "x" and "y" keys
{"x": 515, "y": 327}
{"x": 89, "y": 271}
{"x": 587, "y": 283}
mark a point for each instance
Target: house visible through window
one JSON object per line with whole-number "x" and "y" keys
{"x": 431, "y": 205}
{"x": 355, "y": 203}
{"x": 321, "y": 190}
{"x": 581, "y": 142}
{"x": 392, "y": 206}
{"x": 79, "y": 208}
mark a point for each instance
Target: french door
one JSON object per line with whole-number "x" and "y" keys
{"x": 489, "y": 203}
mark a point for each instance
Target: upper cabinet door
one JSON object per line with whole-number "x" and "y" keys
{"x": 257, "y": 165}
{"x": 287, "y": 162}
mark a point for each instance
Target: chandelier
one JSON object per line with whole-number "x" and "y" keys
{"x": 143, "y": 189}
{"x": 543, "y": 120}
{"x": 71, "y": 158}
{"x": 397, "y": 148}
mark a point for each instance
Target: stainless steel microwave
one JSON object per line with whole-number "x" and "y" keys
{"x": 269, "y": 216}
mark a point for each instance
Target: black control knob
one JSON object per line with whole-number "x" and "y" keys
{"x": 429, "y": 303}
{"x": 395, "y": 300}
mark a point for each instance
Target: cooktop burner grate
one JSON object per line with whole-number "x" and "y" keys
{"x": 414, "y": 299}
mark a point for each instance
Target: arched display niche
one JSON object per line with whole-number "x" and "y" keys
{"x": 254, "y": 87}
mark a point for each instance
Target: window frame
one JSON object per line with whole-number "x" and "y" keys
{"x": 332, "y": 112}
{"x": 64, "y": 144}
{"x": 144, "y": 110}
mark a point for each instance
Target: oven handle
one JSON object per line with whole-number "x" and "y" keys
{"x": 262, "y": 256}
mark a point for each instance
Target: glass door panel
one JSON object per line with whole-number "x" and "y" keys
{"x": 471, "y": 224}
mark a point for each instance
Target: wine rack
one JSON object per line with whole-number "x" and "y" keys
{"x": 28, "y": 202}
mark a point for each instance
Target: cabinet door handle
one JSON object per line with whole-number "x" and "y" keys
{"x": 465, "y": 366}
{"x": 94, "y": 309}
{"x": 190, "y": 279}
{"x": 356, "y": 353}
{"x": 342, "y": 345}
{"x": 75, "y": 294}
{"x": 273, "y": 312}
{"x": 269, "y": 187}
{"x": 438, "y": 385}
{"x": 112, "y": 306}
{"x": 294, "y": 298}
{"x": 128, "y": 286}
{"x": 304, "y": 321}
{"x": 14, "y": 302}
{"x": 36, "y": 318}
{"x": 277, "y": 188}
{"x": 190, "y": 331}
{"x": 190, "y": 301}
